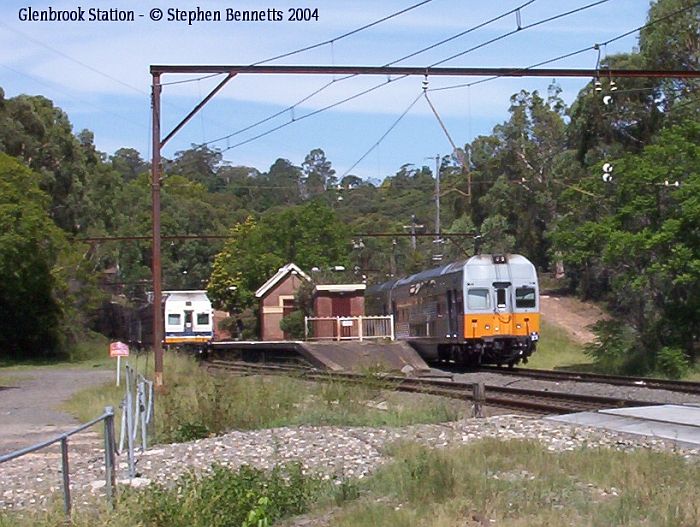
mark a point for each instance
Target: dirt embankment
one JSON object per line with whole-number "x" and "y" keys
{"x": 571, "y": 314}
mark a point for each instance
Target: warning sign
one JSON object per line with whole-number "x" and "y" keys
{"x": 118, "y": 349}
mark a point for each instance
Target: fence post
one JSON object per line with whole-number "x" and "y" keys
{"x": 66, "y": 476}
{"x": 129, "y": 423}
{"x": 479, "y": 395}
{"x": 110, "y": 478}
{"x": 306, "y": 328}
{"x": 337, "y": 328}
{"x": 360, "y": 322}
{"x": 391, "y": 326}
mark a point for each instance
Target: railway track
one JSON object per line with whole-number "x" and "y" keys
{"x": 531, "y": 401}
{"x": 639, "y": 382}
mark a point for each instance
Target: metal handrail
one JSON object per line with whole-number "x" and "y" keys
{"x": 110, "y": 477}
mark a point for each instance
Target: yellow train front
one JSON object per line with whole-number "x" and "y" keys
{"x": 484, "y": 310}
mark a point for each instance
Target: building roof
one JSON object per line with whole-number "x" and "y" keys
{"x": 340, "y": 288}
{"x": 281, "y": 274}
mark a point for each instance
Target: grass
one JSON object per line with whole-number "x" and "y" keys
{"x": 196, "y": 404}
{"x": 521, "y": 483}
{"x": 91, "y": 352}
{"x": 516, "y": 483}
{"x": 556, "y": 350}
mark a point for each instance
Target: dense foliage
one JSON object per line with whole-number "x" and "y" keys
{"x": 531, "y": 186}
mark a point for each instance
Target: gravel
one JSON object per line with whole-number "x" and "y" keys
{"x": 332, "y": 452}
{"x": 584, "y": 388}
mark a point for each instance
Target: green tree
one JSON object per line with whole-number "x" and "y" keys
{"x": 30, "y": 245}
{"x": 309, "y": 235}
{"x": 643, "y": 244}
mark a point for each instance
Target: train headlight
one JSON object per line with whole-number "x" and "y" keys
{"x": 487, "y": 326}
{"x": 518, "y": 326}
{"x": 534, "y": 336}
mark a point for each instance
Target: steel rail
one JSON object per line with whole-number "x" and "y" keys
{"x": 618, "y": 380}
{"x": 499, "y": 396}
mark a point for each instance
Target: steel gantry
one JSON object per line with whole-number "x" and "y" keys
{"x": 232, "y": 71}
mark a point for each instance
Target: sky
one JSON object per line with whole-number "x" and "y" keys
{"x": 98, "y": 72}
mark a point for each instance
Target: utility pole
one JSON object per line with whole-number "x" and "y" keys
{"x": 412, "y": 229}
{"x": 156, "y": 264}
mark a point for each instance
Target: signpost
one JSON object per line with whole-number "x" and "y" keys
{"x": 118, "y": 350}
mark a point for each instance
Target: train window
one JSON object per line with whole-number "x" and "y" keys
{"x": 525, "y": 297}
{"x": 173, "y": 319}
{"x": 202, "y": 319}
{"x": 501, "y": 297}
{"x": 478, "y": 298}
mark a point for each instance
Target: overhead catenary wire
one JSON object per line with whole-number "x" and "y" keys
{"x": 592, "y": 47}
{"x": 346, "y": 77}
{"x": 316, "y": 112}
{"x": 518, "y": 29}
{"x": 384, "y": 135}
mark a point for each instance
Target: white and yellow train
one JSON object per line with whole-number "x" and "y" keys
{"x": 484, "y": 310}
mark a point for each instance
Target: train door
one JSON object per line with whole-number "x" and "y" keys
{"x": 450, "y": 314}
{"x": 453, "y": 313}
{"x": 504, "y": 307}
{"x": 188, "y": 322}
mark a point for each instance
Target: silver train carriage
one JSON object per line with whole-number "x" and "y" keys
{"x": 484, "y": 310}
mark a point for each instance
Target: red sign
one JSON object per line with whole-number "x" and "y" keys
{"x": 118, "y": 349}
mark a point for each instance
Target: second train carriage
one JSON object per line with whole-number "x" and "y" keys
{"x": 481, "y": 310}
{"x": 188, "y": 318}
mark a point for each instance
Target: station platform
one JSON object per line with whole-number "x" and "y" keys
{"x": 331, "y": 355}
{"x": 677, "y": 423}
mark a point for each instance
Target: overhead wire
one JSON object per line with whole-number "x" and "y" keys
{"x": 316, "y": 112}
{"x": 519, "y": 29}
{"x": 376, "y": 144}
{"x": 592, "y": 47}
{"x": 346, "y": 77}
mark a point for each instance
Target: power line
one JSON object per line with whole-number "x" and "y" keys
{"x": 375, "y": 145}
{"x": 315, "y": 112}
{"x": 308, "y": 48}
{"x": 519, "y": 29}
{"x": 347, "y": 99}
{"x": 40, "y": 81}
{"x": 574, "y": 53}
{"x": 344, "y": 35}
{"x": 330, "y": 83}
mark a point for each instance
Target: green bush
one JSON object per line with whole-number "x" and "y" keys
{"x": 293, "y": 324}
{"x": 617, "y": 349}
{"x": 672, "y": 362}
{"x": 226, "y": 497}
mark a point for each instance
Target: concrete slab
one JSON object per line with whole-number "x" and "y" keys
{"x": 357, "y": 356}
{"x": 680, "y": 424}
{"x": 335, "y": 356}
{"x": 668, "y": 413}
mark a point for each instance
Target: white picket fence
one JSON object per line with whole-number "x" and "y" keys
{"x": 349, "y": 328}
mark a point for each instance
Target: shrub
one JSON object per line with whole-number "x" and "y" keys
{"x": 247, "y": 496}
{"x": 617, "y": 349}
{"x": 293, "y": 324}
{"x": 672, "y": 362}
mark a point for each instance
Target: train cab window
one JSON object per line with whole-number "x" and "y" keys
{"x": 525, "y": 297}
{"x": 478, "y": 298}
{"x": 173, "y": 319}
{"x": 202, "y": 319}
{"x": 501, "y": 297}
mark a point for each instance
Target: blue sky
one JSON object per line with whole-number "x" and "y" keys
{"x": 99, "y": 73}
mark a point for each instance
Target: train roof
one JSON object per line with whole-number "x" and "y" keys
{"x": 432, "y": 273}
